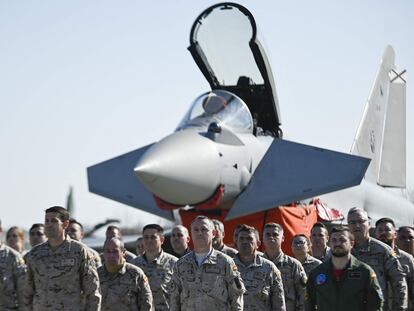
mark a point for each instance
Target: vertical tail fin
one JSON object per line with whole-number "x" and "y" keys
{"x": 381, "y": 135}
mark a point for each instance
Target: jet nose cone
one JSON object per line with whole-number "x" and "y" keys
{"x": 182, "y": 169}
{"x": 146, "y": 172}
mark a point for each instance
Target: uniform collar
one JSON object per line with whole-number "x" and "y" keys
{"x": 257, "y": 262}
{"x": 121, "y": 271}
{"x": 366, "y": 246}
{"x": 211, "y": 257}
{"x": 157, "y": 259}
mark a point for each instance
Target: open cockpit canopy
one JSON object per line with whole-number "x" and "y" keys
{"x": 224, "y": 44}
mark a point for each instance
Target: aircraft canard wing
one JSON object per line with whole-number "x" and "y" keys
{"x": 291, "y": 172}
{"x": 115, "y": 179}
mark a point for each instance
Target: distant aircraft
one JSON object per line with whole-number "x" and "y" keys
{"x": 228, "y": 152}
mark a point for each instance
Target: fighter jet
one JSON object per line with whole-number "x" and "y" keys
{"x": 228, "y": 152}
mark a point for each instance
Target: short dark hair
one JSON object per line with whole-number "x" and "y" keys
{"x": 249, "y": 229}
{"x": 63, "y": 212}
{"x": 112, "y": 227}
{"x": 35, "y": 226}
{"x": 273, "y": 225}
{"x": 405, "y": 227}
{"x": 157, "y": 227}
{"x": 319, "y": 225}
{"x": 342, "y": 229}
{"x": 384, "y": 220}
{"x": 74, "y": 221}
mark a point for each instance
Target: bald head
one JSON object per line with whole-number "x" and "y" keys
{"x": 180, "y": 239}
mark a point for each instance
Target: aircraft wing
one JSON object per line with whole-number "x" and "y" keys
{"x": 115, "y": 179}
{"x": 291, "y": 172}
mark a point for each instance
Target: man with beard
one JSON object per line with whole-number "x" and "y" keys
{"x": 380, "y": 257}
{"x": 343, "y": 282}
{"x": 218, "y": 243}
{"x": 385, "y": 232}
{"x": 405, "y": 239}
{"x": 61, "y": 271}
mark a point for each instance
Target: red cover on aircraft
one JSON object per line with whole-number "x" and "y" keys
{"x": 294, "y": 220}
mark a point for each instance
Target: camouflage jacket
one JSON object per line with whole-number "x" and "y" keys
{"x": 12, "y": 277}
{"x": 159, "y": 273}
{"x": 407, "y": 263}
{"x": 294, "y": 281}
{"x": 58, "y": 278}
{"x": 228, "y": 250}
{"x": 128, "y": 289}
{"x": 214, "y": 285}
{"x": 384, "y": 261}
{"x": 264, "y": 286}
{"x": 310, "y": 263}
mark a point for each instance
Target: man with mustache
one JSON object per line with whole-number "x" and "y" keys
{"x": 385, "y": 232}
{"x": 342, "y": 282}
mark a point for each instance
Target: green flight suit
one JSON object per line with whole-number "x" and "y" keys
{"x": 357, "y": 289}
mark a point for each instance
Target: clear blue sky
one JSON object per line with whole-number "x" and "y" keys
{"x": 84, "y": 81}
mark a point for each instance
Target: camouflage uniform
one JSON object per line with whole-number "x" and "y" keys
{"x": 95, "y": 256}
{"x": 159, "y": 273}
{"x": 294, "y": 281}
{"x": 214, "y": 285}
{"x": 57, "y": 279}
{"x": 128, "y": 289}
{"x": 327, "y": 255}
{"x": 407, "y": 263}
{"x": 12, "y": 274}
{"x": 129, "y": 257}
{"x": 228, "y": 250}
{"x": 385, "y": 263}
{"x": 263, "y": 282}
{"x": 310, "y": 263}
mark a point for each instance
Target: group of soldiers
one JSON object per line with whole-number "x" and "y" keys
{"x": 349, "y": 270}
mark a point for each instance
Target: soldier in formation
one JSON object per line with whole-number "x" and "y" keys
{"x": 263, "y": 282}
{"x": 124, "y": 286}
{"x": 293, "y": 275}
{"x": 205, "y": 279}
{"x": 61, "y": 271}
{"x": 157, "y": 265}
